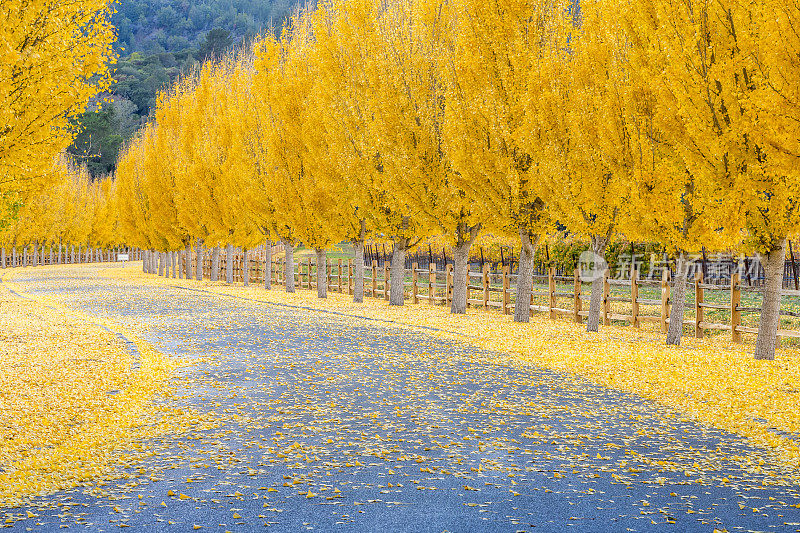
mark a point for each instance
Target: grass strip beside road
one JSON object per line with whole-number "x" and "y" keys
{"x": 70, "y": 403}
{"x": 710, "y": 380}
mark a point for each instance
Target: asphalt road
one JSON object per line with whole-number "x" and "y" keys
{"x": 332, "y": 423}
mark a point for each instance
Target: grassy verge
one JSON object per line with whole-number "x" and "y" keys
{"x": 711, "y": 380}
{"x": 70, "y": 402}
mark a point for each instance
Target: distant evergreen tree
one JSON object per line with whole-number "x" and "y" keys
{"x": 215, "y": 44}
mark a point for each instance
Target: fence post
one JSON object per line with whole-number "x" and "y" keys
{"x": 328, "y": 273}
{"x": 386, "y": 266}
{"x": 467, "y": 290}
{"x": 431, "y": 282}
{"x": 448, "y": 290}
{"x": 634, "y": 298}
{"x": 485, "y": 281}
{"x": 414, "y": 288}
{"x": 340, "y": 281}
{"x": 577, "y": 290}
{"x": 551, "y": 289}
{"x": 736, "y": 314}
{"x": 506, "y": 288}
{"x": 606, "y": 303}
{"x": 665, "y": 309}
{"x": 698, "y": 309}
{"x": 374, "y": 278}
{"x": 350, "y": 276}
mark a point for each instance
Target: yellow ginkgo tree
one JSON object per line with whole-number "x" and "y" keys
{"x": 54, "y": 59}
{"x": 722, "y": 75}
{"x": 497, "y": 64}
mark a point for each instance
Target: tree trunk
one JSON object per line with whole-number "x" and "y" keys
{"x": 358, "y": 272}
{"x": 3, "y": 257}
{"x": 397, "y": 274}
{"x": 599, "y": 243}
{"x": 322, "y": 273}
{"x": 466, "y": 236}
{"x": 188, "y": 265}
{"x": 770, "y": 319}
{"x": 34, "y": 261}
{"x": 14, "y": 256}
{"x": 246, "y": 267}
{"x": 678, "y": 300}
{"x": 174, "y": 260}
{"x": 160, "y": 259}
{"x": 59, "y": 251}
{"x": 215, "y": 263}
{"x": 229, "y": 264}
{"x": 51, "y": 254}
{"x": 289, "y": 265}
{"x": 199, "y": 250}
{"x": 458, "y": 305}
{"x": 268, "y": 265}
{"x": 179, "y": 258}
{"x": 522, "y": 306}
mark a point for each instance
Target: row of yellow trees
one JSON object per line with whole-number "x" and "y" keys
{"x": 54, "y": 59}
{"x": 673, "y": 122}
{"x": 68, "y": 210}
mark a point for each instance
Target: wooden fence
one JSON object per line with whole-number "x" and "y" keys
{"x": 34, "y": 255}
{"x": 557, "y": 296}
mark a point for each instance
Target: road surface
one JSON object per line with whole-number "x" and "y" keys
{"x": 336, "y": 423}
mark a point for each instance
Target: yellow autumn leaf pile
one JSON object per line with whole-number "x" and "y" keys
{"x": 70, "y": 401}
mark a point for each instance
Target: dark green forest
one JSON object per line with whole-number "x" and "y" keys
{"x": 157, "y": 41}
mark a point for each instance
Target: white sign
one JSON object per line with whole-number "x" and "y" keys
{"x": 122, "y": 257}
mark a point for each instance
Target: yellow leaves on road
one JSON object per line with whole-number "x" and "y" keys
{"x": 69, "y": 399}
{"x": 712, "y": 381}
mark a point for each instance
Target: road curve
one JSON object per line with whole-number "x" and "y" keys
{"x": 331, "y": 423}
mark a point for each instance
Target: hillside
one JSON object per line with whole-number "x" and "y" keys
{"x": 157, "y": 26}
{"x": 157, "y": 41}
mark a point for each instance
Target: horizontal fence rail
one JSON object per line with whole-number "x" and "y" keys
{"x": 632, "y": 301}
{"x": 45, "y": 255}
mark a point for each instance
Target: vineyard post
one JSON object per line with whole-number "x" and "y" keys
{"x": 374, "y": 278}
{"x": 448, "y": 294}
{"x": 350, "y": 277}
{"x": 414, "y": 288}
{"x": 485, "y": 280}
{"x": 328, "y": 273}
{"x": 506, "y": 289}
{"x": 698, "y": 308}
{"x": 551, "y": 290}
{"x": 339, "y": 280}
{"x": 665, "y": 301}
{"x": 431, "y": 282}
{"x": 736, "y": 314}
